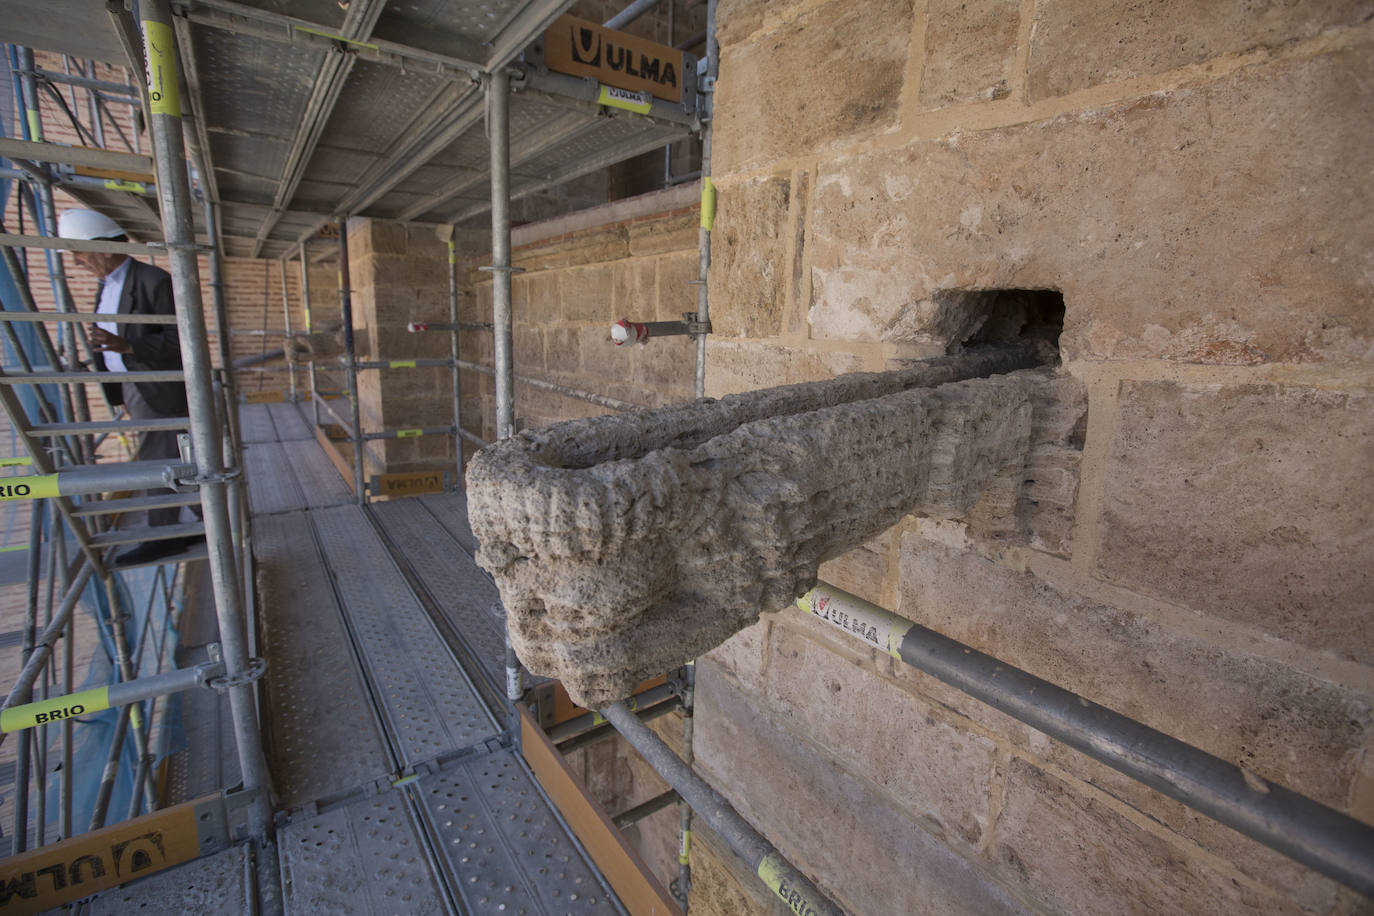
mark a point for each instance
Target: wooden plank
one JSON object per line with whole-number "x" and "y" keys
{"x": 50, "y": 876}
{"x": 75, "y": 155}
{"x": 264, "y": 397}
{"x": 340, "y": 463}
{"x": 627, "y": 873}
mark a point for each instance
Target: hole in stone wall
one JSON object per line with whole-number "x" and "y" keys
{"x": 988, "y": 316}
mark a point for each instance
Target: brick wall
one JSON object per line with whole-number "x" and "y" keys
{"x": 1191, "y": 177}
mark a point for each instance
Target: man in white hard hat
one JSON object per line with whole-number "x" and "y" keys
{"x": 132, "y": 287}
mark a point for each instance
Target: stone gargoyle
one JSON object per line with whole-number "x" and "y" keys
{"x": 626, "y": 545}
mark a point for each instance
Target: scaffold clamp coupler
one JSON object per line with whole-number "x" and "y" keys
{"x": 695, "y": 327}
{"x": 187, "y": 484}
{"x": 181, "y": 246}
{"x": 256, "y": 668}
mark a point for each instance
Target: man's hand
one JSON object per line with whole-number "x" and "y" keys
{"x": 102, "y": 340}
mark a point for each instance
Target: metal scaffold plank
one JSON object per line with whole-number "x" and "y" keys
{"x": 323, "y": 739}
{"x": 465, "y": 594}
{"x": 255, "y": 423}
{"x": 291, "y": 426}
{"x": 426, "y": 696}
{"x": 451, "y": 509}
{"x": 365, "y": 858}
{"x": 318, "y": 478}
{"x": 212, "y": 886}
{"x": 271, "y": 482}
{"x": 502, "y": 842}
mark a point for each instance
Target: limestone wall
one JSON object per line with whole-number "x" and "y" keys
{"x": 1194, "y": 178}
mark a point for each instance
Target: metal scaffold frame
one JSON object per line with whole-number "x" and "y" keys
{"x": 63, "y": 444}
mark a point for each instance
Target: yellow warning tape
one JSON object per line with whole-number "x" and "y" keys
{"x": 402, "y": 364}
{"x": 132, "y": 186}
{"x": 685, "y": 857}
{"x": 54, "y": 710}
{"x": 40, "y": 486}
{"x": 35, "y": 125}
{"x": 409, "y": 433}
{"x": 18, "y": 461}
{"x": 163, "y": 92}
{"x": 708, "y": 203}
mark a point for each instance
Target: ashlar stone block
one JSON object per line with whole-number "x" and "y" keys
{"x": 1264, "y": 493}
{"x": 1158, "y": 251}
{"x": 970, "y": 50}
{"x": 600, "y": 533}
{"x": 801, "y": 111}
{"x": 749, "y": 272}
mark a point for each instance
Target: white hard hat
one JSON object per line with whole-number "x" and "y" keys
{"x": 87, "y": 224}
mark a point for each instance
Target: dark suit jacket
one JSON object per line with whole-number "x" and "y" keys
{"x": 148, "y": 291}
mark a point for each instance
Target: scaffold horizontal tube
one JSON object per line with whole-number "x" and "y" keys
{"x": 90, "y": 378}
{"x": 416, "y": 327}
{"x": 578, "y": 724}
{"x": 782, "y": 878}
{"x": 42, "y": 241}
{"x": 75, "y": 155}
{"x": 646, "y": 809}
{"x": 57, "y": 709}
{"x": 413, "y": 433}
{"x": 117, "y": 536}
{"x": 99, "y": 427}
{"x": 588, "y": 396}
{"x": 92, "y": 479}
{"x": 1311, "y": 833}
{"x": 83, "y": 318}
{"x": 406, "y": 364}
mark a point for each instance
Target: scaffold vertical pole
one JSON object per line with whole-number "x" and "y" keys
{"x": 305, "y": 305}
{"x": 454, "y": 351}
{"x": 498, "y": 127}
{"x": 286, "y": 317}
{"x": 174, "y": 200}
{"x": 351, "y": 362}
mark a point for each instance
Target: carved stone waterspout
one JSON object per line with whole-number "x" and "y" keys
{"x": 626, "y": 545}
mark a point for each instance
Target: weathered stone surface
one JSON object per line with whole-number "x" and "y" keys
{"x": 721, "y": 886}
{"x": 938, "y": 772}
{"x": 1264, "y": 493}
{"x": 661, "y": 236}
{"x": 799, "y": 115}
{"x": 970, "y": 50}
{"x": 862, "y": 571}
{"x": 586, "y": 294}
{"x": 733, "y": 367}
{"x": 600, "y": 533}
{"x": 1172, "y": 257}
{"x": 741, "y": 656}
{"x": 677, "y": 293}
{"x": 748, "y": 276}
{"x": 634, "y": 289}
{"x": 596, "y": 247}
{"x": 829, "y": 823}
{"x": 1080, "y": 43}
{"x": 1304, "y": 733}
{"x": 1071, "y": 853}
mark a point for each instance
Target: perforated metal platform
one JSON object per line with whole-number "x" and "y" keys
{"x": 451, "y": 511}
{"x": 318, "y": 479}
{"x": 501, "y": 842}
{"x": 291, "y": 426}
{"x": 255, "y": 424}
{"x": 427, "y": 699}
{"x": 323, "y": 738}
{"x": 271, "y": 483}
{"x": 463, "y": 592}
{"x": 366, "y": 857}
{"x": 213, "y": 886}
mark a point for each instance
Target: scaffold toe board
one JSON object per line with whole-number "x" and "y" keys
{"x": 323, "y": 739}
{"x": 464, "y": 593}
{"x": 428, "y": 701}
